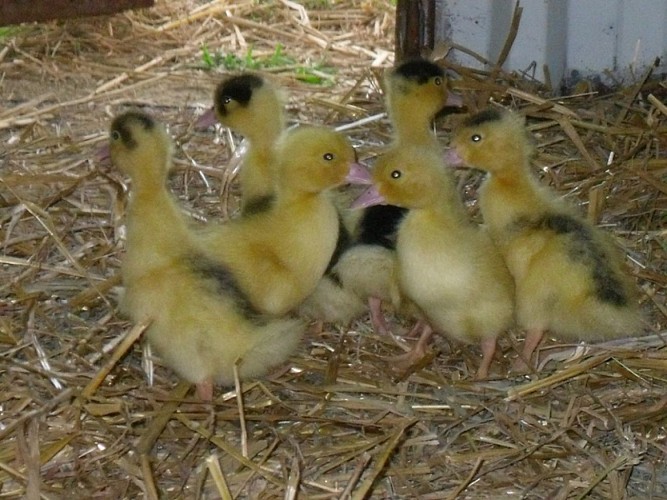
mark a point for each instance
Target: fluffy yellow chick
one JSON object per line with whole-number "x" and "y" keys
{"x": 280, "y": 254}
{"x": 447, "y": 265}
{"x": 252, "y": 106}
{"x": 201, "y": 322}
{"x": 415, "y": 92}
{"x": 568, "y": 273}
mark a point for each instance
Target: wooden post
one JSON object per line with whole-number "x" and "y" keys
{"x": 415, "y": 28}
{"x": 21, "y": 11}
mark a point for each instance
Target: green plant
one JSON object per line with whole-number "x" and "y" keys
{"x": 316, "y": 74}
{"x": 8, "y": 31}
{"x": 210, "y": 60}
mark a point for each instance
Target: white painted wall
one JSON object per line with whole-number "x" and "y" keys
{"x": 622, "y": 37}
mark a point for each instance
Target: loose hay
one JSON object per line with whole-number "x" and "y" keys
{"x": 77, "y": 416}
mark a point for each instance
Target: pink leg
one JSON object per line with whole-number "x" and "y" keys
{"x": 533, "y": 339}
{"x": 205, "y": 390}
{"x": 488, "y": 350}
{"x": 416, "y": 329}
{"x": 377, "y": 317}
{"x": 418, "y": 351}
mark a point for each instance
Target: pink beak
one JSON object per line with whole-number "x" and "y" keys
{"x": 454, "y": 100}
{"x": 103, "y": 155}
{"x": 453, "y": 159}
{"x": 369, "y": 198}
{"x": 358, "y": 174}
{"x": 208, "y": 119}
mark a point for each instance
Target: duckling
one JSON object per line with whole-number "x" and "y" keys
{"x": 201, "y": 323}
{"x": 251, "y": 105}
{"x": 415, "y": 92}
{"x": 279, "y": 255}
{"x": 447, "y": 265}
{"x": 568, "y": 273}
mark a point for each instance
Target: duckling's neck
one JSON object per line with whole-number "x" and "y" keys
{"x": 256, "y": 175}
{"x": 413, "y": 125}
{"x": 512, "y": 193}
{"x": 265, "y": 132}
{"x": 147, "y": 192}
{"x": 443, "y": 205}
{"x": 146, "y": 182}
{"x": 287, "y": 196}
{"x": 449, "y": 206}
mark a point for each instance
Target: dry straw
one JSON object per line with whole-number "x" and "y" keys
{"x": 78, "y": 418}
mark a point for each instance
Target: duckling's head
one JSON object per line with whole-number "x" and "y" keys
{"x": 248, "y": 104}
{"x": 140, "y": 146}
{"x": 313, "y": 159}
{"x": 409, "y": 177}
{"x": 491, "y": 140}
{"x": 416, "y": 86}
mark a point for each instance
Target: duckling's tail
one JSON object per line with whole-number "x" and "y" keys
{"x": 274, "y": 343}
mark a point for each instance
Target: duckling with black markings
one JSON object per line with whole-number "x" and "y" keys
{"x": 447, "y": 266}
{"x": 569, "y": 274}
{"x": 252, "y": 106}
{"x": 201, "y": 322}
{"x": 415, "y": 92}
{"x": 279, "y": 255}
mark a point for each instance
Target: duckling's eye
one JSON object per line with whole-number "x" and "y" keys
{"x": 476, "y": 138}
{"x": 115, "y": 135}
{"x": 437, "y": 80}
{"x": 226, "y": 99}
{"x": 328, "y": 156}
{"x": 396, "y": 174}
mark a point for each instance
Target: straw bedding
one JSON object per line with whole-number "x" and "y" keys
{"x": 79, "y": 418}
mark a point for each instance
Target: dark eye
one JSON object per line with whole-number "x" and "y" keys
{"x": 476, "y": 138}
{"x": 115, "y": 135}
{"x": 226, "y": 99}
{"x": 437, "y": 80}
{"x": 328, "y": 156}
{"x": 396, "y": 174}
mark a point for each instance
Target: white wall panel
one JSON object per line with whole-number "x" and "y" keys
{"x": 585, "y": 36}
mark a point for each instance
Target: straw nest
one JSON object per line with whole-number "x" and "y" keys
{"x": 78, "y": 417}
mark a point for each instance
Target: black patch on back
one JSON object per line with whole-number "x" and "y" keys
{"x": 419, "y": 70}
{"x": 379, "y": 224}
{"x": 258, "y": 205}
{"x": 224, "y": 282}
{"x": 488, "y": 115}
{"x": 562, "y": 224}
{"x": 122, "y": 124}
{"x": 238, "y": 88}
{"x": 583, "y": 248}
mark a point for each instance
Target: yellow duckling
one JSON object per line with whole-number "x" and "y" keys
{"x": 569, "y": 274}
{"x": 415, "y": 92}
{"x": 252, "y": 106}
{"x": 202, "y": 323}
{"x": 447, "y": 265}
{"x": 279, "y": 255}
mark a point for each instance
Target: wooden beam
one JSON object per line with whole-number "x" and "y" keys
{"x": 21, "y": 11}
{"x": 415, "y": 28}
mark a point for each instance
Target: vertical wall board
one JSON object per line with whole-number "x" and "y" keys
{"x": 544, "y": 43}
{"x": 643, "y": 24}
{"x": 592, "y": 37}
{"x": 469, "y": 24}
